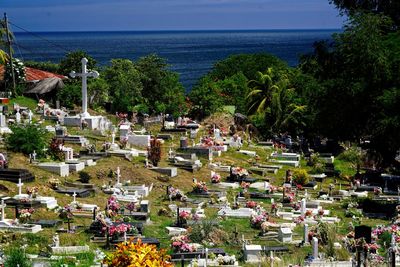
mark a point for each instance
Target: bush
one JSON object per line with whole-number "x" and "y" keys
{"x": 353, "y": 155}
{"x": 84, "y": 177}
{"x": 27, "y": 138}
{"x": 316, "y": 163}
{"x": 154, "y": 151}
{"x": 137, "y": 254}
{"x": 300, "y": 176}
{"x": 15, "y": 256}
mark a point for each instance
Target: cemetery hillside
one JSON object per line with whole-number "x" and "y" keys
{"x": 258, "y": 164}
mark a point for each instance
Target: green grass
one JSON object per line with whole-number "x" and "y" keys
{"x": 23, "y": 102}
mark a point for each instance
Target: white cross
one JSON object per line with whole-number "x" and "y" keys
{"x": 118, "y": 174}
{"x": 84, "y": 76}
{"x": 34, "y": 155}
{"x": 125, "y": 237}
{"x": 74, "y": 195}
{"x": 20, "y": 184}
{"x": 2, "y": 206}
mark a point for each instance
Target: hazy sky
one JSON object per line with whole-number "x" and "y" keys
{"x": 82, "y": 15}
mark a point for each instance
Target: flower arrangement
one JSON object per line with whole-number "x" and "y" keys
{"x": 321, "y": 212}
{"x": 131, "y": 206}
{"x": 180, "y": 243}
{"x": 308, "y": 213}
{"x": 299, "y": 220}
{"x": 64, "y": 213}
{"x": 200, "y": 187}
{"x": 215, "y": 178}
{"x": 54, "y": 182}
{"x": 265, "y": 226}
{"x": 296, "y": 206}
{"x": 138, "y": 254}
{"x": 372, "y": 248}
{"x": 25, "y": 215}
{"x": 185, "y": 215}
{"x": 174, "y": 193}
{"x": 251, "y": 204}
{"x": 258, "y": 218}
{"x": 239, "y": 171}
{"x": 32, "y": 191}
{"x": 112, "y": 204}
{"x": 76, "y": 205}
{"x": 118, "y": 230}
{"x": 289, "y": 198}
{"x": 377, "y": 191}
{"x": 226, "y": 260}
{"x": 244, "y": 185}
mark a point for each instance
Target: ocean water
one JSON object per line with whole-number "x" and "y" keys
{"x": 190, "y": 53}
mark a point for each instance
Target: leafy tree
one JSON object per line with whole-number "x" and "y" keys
{"x": 70, "y": 95}
{"x": 248, "y": 64}
{"x": 205, "y": 98}
{"x": 72, "y": 62}
{"x": 98, "y": 91}
{"x": 124, "y": 79}
{"x": 46, "y": 66}
{"x": 173, "y": 97}
{"x": 27, "y": 138}
{"x": 388, "y": 8}
{"x": 358, "y": 76}
{"x": 262, "y": 90}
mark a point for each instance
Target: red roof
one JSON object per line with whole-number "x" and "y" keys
{"x": 32, "y": 74}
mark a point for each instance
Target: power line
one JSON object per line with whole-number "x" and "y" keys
{"x": 42, "y": 38}
{"x": 29, "y": 50}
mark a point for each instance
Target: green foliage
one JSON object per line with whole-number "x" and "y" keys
{"x": 98, "y": 91}
{"x": 205, "y": 98}
{"x": 358, "y": 74}
{"x": 300, "y": 176}
{"x": 72, "y": 62}
{"x": 54, "y": 150}
{"x": 351, "y": 7}
{"x": 46, "y": 66}
{"x": 125, "y": 81}
{"x": 15, "y": 256}
{"x": 27, "y": 138}
{"x": 247, "y": 64}
{"x": 84, "y": 177}
{"x": 70, "y": 95}
{"x": 316, "y": 163}
{"x": 19, "y": 74}
{"x": 353, "y": 155}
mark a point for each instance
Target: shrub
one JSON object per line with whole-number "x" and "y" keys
{"x": 137, "y": 254}
{"x": 154, "y": 151}
{"x": 54, "y": 149}
{"x": 15, "y": 256}
{"x": 300, "y": 176}
{"x": 353, "y": 155}
{"x": 316, "y": 163}
{"x": 84, "y": 177}
{"x": 27, "y": 138}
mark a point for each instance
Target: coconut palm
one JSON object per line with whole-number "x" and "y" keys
{"x": 261, "y": 89}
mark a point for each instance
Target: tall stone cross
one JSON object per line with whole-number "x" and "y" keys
{"x": 84, "y": 75}
{"x": 74, "y": 195}
{"x": 20, "y": 184}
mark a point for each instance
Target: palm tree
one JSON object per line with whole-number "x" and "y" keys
{"x": 3, "y": 35}
{"x": 261, "y": 91}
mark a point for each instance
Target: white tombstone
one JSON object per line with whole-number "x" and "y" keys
{"x": 74, "y": 195}
{"x": 56, "y": 241}
{"x": 305, "y": 233}
{"x": 118, "y": 177}
{"x": 303, "y": 207}
{"x": 19, "y": 185}
{"x": 18, "y": 117}
{"x": 285, "y": 234}
{"x": 315, "y": 247}
{"x": 30, "y": 115}
{"x": 3, "y": 121}
{"x": 3, "y": 214}
{"x": 84, "y": 75}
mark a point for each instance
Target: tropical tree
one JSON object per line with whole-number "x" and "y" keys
{"x": 263, "y": 89}
{"x": 3, "y": 36}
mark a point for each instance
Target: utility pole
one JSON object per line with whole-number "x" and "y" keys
{"x": 10, "y": 52}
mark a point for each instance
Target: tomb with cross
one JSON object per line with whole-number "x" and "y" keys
{"x": 93, "y": 122}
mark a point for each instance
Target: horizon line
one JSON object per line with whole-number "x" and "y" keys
{"x": 184, "y": 30}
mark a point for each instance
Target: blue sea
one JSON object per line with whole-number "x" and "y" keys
{"x": 190, "y": 53}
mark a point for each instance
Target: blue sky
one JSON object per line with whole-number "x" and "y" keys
{"x": 101, "y": 15}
